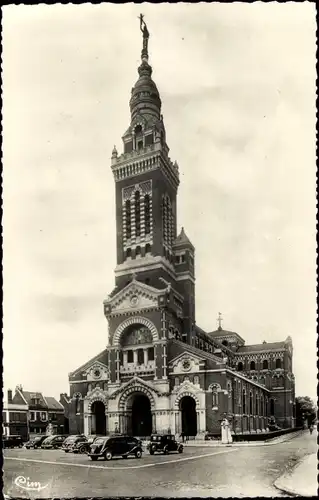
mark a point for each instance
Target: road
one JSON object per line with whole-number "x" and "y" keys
{"x": 199, "y": 471}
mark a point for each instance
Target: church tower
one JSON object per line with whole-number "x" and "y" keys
{"x": 146, "y": 182}
{"x": 154, "y": 276}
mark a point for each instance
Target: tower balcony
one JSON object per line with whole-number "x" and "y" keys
{"x": 131, "y": 368}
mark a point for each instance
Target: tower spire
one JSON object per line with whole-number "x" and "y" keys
{"x": 146, "y": 35}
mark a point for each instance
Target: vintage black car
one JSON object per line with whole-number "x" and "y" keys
{"x": 109, "y": 447}
{"x": 83, "y": 446}
{"x": 53, "y": 442}
{"x": 12, "y": 441}
{"x": 70, "y": 441}
{"x": 35, "y": 442}
{"x": 164, "y": 443}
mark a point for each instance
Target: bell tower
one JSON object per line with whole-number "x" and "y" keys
{"x": 146, "y": 182}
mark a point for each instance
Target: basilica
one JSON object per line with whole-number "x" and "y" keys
{"x": 160, "y": 372}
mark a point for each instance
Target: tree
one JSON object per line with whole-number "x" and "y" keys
{"x": 305, "y": 411}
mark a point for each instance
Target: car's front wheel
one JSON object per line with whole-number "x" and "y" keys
{"x": 151, "y": 451}
{"x": 180, "y": 449}
{"x": 108, "y": 455}
{"x": 138, "y": 454}
{"x": 82, "y": 449}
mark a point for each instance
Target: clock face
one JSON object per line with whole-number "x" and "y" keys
{"x": 186, "y": 364}
{"x": 97, "y": 373}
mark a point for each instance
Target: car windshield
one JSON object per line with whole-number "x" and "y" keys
{"x": 71, "y": 439}
{"x": 99, "y": 441}
{"x": 49, "y": 439}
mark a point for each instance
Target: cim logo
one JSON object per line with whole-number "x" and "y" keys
{"x": 26, "y": 484}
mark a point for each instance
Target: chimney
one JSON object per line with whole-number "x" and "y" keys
{"x": 9, "y": 396}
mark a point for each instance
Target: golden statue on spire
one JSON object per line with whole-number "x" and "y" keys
{"x": 146, "y": 36}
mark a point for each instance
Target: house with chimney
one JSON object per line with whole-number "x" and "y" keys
{"x": 41, "y": 411}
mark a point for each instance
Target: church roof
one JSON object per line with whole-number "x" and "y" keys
{"x": 220, "y": 332}
{"x": 183, "y": 240}
{"x": 266, "y": 346}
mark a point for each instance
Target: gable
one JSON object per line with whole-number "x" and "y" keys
{"x": 135, "y": 296}
{"x": 18, "y": 399}
{"x": 186, "y": 363}
{"x": 102, "y": 357}
{"x": 96, "y": 371}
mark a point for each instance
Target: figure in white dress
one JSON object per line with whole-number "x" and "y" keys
{"x": 226, "y": 433}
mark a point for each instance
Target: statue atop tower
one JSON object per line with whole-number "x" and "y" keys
{"x": 146, "y": 36}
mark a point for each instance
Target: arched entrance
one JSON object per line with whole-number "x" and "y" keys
{"x": 139, "y": 415}
{"x": 187, "y": 407}
{"x": 98, "y": 425}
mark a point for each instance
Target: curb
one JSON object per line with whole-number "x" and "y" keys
{"x": 280, "y": 482}
{"x": 271, "y": 442}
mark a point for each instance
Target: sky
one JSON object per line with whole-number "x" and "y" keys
{"x": 237, "y": 83}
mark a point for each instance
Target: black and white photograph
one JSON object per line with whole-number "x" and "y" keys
{"x": 159, "y": 250}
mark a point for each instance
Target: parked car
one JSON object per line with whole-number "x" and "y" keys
{"x": 35, "y": 442}
{"x": 70, "y": 441}
{"x": 83, "y": 446}
{"x": 53, "y": 442}
{"x": 164, "y": 443}
{"x": 109, "y": 447}
{"x": 12, "y": 441}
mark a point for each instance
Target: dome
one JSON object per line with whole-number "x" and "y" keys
{"x": 145, "y": 99}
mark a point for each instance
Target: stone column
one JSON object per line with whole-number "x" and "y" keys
{"x": 135, "y": 357}
{"x": 117, "y": 365}
{"x": 124, "y": 358}
{"x": 145, "y": 356}
{"x": 153, "y": 422}
{"x": 164, "y": 362}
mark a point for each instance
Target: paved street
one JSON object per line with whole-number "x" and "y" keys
{"x": 230, "y": 471}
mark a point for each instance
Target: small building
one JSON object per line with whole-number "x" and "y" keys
{"x": 41, "y": 411}
{"x": 15, "y": 418}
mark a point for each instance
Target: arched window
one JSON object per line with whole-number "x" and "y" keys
{"x": 196, "y": 380}
{"x": 250, "y": 403}
{"x": 137, "y": 214}
{"x": 176, "y": 381}
{"x": 147, "y": 248}
{"x": 278, "y": 363}
{"x": 214, "y": 397}
{"x": 252, "y": 365}
{"x": 240, "y": 366}
{"x": 244, "y": 401}
{"x": 128, "y": 219}
{"x": 138, "y": 251}
{"x": 77, "y": 403}
{"x": 256, "y": 405}
{"x": 266, "y": 407}
{"x": 128, "y": 253}
{"x": 262, "y": 406}
{"x": 272, "y": 407}
{"x": 147, "y": 214}
{"x": 265, "y": 364}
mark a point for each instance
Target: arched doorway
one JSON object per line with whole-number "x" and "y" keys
{"x": 98, "y": 425}
{"x": 189, "y": 417}
{"x": 138, "y": 415}
{"x": 141, "y": 416}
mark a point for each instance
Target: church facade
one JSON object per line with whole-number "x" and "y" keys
{"x": 160, "y": 372}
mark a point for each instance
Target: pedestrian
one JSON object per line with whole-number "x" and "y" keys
{"x": 311, "y": 428}
{"x": 182, "y": 436}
